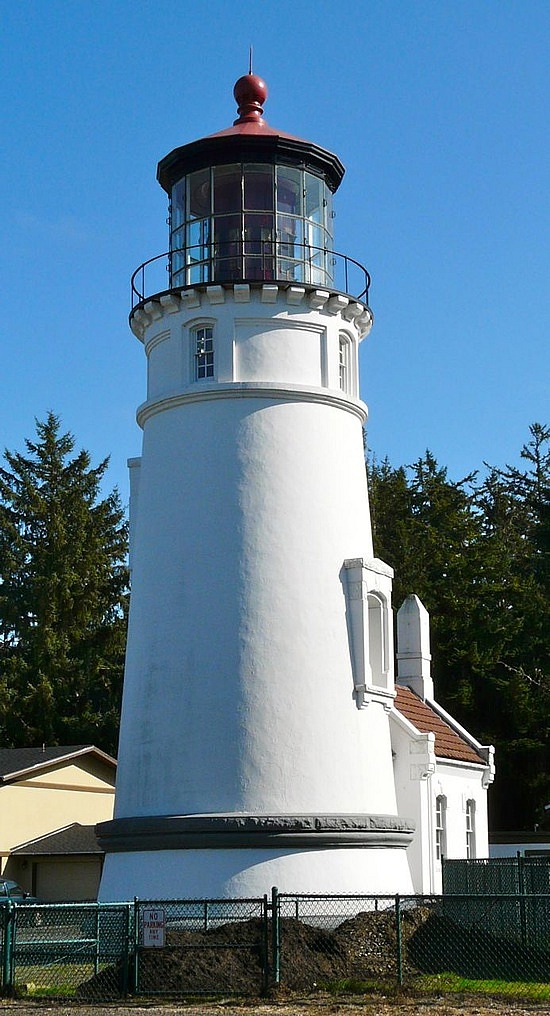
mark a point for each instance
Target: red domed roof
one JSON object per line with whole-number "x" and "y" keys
{"x": 250, "y": 137}
{"x": 250, "y": 93}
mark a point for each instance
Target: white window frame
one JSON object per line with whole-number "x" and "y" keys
{"x": 377, "y": 613}
{"x": 470, "y": 828}
{"x": 344, "y": 363}
{"x": 440, "y": 826}
{"x": 203, "y": 350}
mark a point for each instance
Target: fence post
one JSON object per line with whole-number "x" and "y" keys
{"x": 125, "y": 971}
{"x": 265, "y": 947}
{"x": 135, "y": 981}
{"x": 398, "y": 938}
{"x": 275, "y": 936}
{"x": 521, "y": 889}
{"x": 97, "y": 946}
{"x": 9, "y": 942}
{"x": 3, "y": 918}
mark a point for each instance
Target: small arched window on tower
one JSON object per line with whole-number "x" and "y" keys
{"x": 378, "y": 639}
{"x": 470, "y": 829}
{"x": 440, "y": 826}
{"x": 202, "y": 338}
{"x": 345, "y": 363}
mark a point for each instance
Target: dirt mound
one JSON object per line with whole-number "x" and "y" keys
{"x": 362, "y": 948}
{"x": 228, "y": 959}
{"x": 231, "y": 958}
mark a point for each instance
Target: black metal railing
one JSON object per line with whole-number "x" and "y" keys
{"x": 250, "y": 261}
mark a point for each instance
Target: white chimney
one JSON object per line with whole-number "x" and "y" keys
{"x": 413, "y": 647}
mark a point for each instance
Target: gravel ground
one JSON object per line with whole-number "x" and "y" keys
{"x": 317, "y": 1005}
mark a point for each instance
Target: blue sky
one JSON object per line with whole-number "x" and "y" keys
{"x": 438, "y": 110}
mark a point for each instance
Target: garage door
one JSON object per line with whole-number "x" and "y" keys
{"x": 68, "y": 880}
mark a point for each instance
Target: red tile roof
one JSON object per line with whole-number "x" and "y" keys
{"x": 448, "y": 744}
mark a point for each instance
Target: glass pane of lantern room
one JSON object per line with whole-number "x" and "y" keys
{"x": 178, "y": 204}
{"x": 258, "y": 233}
{"x": 258, "y": 187}
{"x": 329, "y": 213}
{"x": 289, "y": 190}
{"x": 198, "y": 194}
{"x": 227, "y": 189}
{"x": 198, "y": 272}
{"x": 316, "y": 271}
{"x": 314, "y": 198}
{"x": 227, "y": 248}
{"x": 198, "y": 239}
{"x": 290, "y": 271}
{"x": 289, "y": 237}
{"x": 177, "y": 257}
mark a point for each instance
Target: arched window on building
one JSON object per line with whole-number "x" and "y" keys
{"x": 470, "y": 829}
{"x": 440, "y": 826}
{"x": 378, "y": 648}
{"x": 345, "y": 363}
{"x": 202, "y": 339}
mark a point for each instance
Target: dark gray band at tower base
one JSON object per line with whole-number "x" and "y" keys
{"x": 215, "y": 832}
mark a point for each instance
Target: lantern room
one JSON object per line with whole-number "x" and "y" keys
{"x": 251, "y": 220}
{"x": 251, "y": 204}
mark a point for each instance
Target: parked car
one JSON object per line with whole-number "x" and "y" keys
{"x": 10, "y": 890}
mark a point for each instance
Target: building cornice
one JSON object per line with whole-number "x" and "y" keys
{"x": 305, "y": 297}
{"x": 251, "y": 390}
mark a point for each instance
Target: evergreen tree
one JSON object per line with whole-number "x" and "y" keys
{"x": 63, "y": 596}
{"x": 514, "y": 504}
{"x": 476, "y": 552}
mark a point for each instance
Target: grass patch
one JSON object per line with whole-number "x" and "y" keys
{"x": 539, "y": 991}
{"x": 354, "y": 986}
{"x": 51, "y": 980}
{"x": 36, "y": 991}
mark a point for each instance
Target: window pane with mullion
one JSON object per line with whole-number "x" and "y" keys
{"x": 258, "y": 187}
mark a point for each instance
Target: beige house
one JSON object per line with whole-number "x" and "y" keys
{"x": 50, "y": 800}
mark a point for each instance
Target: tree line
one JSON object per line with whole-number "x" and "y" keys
{"x": 63, "y": 596}
{"x": 476, "y": 551}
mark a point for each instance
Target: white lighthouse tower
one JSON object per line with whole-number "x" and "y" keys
{"x": 255, "y": 743}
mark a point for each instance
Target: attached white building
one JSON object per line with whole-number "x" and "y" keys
{"x": 441, "y": 771}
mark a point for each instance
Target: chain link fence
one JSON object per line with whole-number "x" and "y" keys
{"x": 494, "y": 945}
{"x": 497, "y": 875}
{"x": 475, "y": 941}
{"x": 66, "y": 949}
{"x": 336, "y": 942}
{"x": 199, "y": 947}
{"x": 490, "y": 944}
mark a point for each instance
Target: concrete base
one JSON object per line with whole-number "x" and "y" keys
{"x": 230, "y": 874}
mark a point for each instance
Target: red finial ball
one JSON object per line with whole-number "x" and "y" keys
{"x": 250, "y": 93}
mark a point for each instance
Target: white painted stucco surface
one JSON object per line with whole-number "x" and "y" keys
{"x": 239, "y": 691}
{"x": 229, "y": 874}
{"x": 458, "y": 783}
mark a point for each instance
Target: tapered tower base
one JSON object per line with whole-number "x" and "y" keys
{"x": 341, "y": 854}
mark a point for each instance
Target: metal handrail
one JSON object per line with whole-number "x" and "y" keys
{"x": 219, "y": 258}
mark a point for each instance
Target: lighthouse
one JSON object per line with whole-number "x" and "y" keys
{"x": 255, "y": 738}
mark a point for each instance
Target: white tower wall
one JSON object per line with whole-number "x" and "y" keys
{"x": 243, "y": 694}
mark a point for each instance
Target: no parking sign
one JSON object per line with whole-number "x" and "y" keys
{"x": 154, "y": 928}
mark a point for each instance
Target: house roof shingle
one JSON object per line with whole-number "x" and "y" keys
{"x": 14, "y": 761}
{"x": 72, "y": 839}
{"x": 448, "y": 743}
